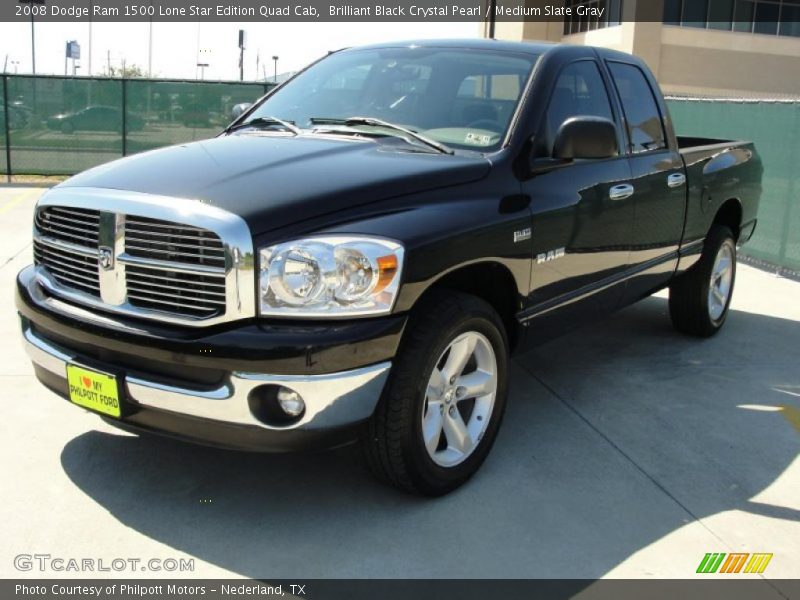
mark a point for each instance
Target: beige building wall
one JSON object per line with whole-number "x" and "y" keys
{"x": 686, "y": 60}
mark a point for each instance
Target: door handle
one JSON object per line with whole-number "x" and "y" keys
{"x": 621, "y": 192}
{"x": 676, "y": 180}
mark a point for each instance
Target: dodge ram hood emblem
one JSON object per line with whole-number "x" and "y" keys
{"x": 106, "y": 258}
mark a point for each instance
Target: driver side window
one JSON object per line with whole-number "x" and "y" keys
{"x": 579, "y": 91}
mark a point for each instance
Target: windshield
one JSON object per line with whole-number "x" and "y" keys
{"x": 458, "y": 97}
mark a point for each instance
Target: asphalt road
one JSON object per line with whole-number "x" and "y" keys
{"x": 627, "y": 451}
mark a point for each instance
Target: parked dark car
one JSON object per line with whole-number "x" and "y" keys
{"x": 355, "y": 258}
{"x": 18, "y": 116}
{"x": 94, "y": 118}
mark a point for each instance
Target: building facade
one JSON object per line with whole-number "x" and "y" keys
{"x": 717, "y": 48}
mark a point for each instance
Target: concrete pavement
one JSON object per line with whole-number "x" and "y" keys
{"x": 627, "y": 451}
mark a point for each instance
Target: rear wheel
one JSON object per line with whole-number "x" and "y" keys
{"x": 700, "y": 298}
{"x": 444, "y": 401}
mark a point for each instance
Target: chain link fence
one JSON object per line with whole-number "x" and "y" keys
{"x": 64, "y": 125}
{"x": 774, "y": 126}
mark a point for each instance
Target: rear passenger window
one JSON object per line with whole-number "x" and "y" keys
{"x": 645, "y": 129}
{"x": 579, "y": 91}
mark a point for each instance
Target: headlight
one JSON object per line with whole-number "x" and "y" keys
{"x": 330, "y": 276}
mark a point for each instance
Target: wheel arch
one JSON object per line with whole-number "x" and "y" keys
{"x": 493, "y": 282}
{"x": 729, "y": 214}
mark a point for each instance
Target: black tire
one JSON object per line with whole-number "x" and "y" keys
{"x": 393, "y": 443}
{"x": 689, "y": 294}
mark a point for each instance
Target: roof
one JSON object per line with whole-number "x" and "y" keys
{"x": 537, "y": 48}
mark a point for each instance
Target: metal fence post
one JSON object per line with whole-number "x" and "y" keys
{"x": 7, "y": 127}
{"x": 786, "y": 230}
{"x": 124, "y": 115}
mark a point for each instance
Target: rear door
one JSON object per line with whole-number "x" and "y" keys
{"x": 658, "y": 179}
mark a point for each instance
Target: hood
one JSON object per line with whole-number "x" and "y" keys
{"x": 274, "y": 180}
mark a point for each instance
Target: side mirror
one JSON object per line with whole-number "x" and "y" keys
{"x": 239, "y": 109}
{"x": 586, "y": 137}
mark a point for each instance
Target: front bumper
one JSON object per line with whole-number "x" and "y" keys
{"x": 170, "y": 387}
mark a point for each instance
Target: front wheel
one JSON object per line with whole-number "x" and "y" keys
{"x": 444, "y": 401}
{"x": 700, "y": 298}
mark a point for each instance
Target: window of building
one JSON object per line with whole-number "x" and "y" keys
{"x": 580, "y": 18}
{"x": 769, "y": 17}
{"x": 790, "y": 20}
{"x": 720, "y": 14}
{"x": 645, "y": 129}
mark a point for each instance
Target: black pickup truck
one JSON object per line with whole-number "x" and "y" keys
{"x": 357, "y": 255}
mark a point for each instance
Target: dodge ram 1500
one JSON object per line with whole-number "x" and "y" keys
{"x": 356, "y": 256}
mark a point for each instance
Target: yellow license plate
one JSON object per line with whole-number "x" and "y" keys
{"x": 93, "y": 390}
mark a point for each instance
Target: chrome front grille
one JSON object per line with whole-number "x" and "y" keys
{"x": 154, "y": 285}
{"x": 71, "y": 225}
{"x": 68, "y": 267}
{"x": 160, "y": 289}
{"x": 167, "y": 259}
{"x": 161, "y": 240}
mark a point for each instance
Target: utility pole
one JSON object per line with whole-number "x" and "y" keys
{"x": 108, "y": 63}
{"x": 33, "y": 35}
{"x": 5, "y": 65}
{"x": 275, "y": 75}
{"x": 150, "y": 47}
{"x": 242, "y": 46}
{"x": 91, "y": 10}
{"x": 33, "y": 45}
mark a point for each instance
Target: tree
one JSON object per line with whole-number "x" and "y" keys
{"x": 126, "y": 71}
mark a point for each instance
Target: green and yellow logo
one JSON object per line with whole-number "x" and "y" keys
{"x": 742, "y": 562}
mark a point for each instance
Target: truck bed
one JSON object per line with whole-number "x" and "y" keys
{"x": 717, "y": 171}
{"x": 694, "y": 142}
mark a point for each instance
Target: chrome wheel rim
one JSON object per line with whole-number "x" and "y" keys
{"x": 459, "y": 399}
{"x": 719, "y": 289}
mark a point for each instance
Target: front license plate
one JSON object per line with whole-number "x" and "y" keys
{"x": 93, "y": 390}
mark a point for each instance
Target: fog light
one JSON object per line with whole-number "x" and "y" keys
{"x": 291, "y": 402}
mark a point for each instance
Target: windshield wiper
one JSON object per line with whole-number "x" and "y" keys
{"x": 372, "y": 122}
{"x": 265, "y": 121}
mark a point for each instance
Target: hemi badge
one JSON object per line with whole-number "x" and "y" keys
{"x": 522, "y": 235}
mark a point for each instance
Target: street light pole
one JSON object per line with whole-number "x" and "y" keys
{"x": 275, "y": 75}
{"x": 242, "y": 46}
{"x": 33, "y": 44}
{"x": 150, "y": 47}
{"x": 91, "y": 10}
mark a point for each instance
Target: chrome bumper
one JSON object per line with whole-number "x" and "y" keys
{"x": 332, "y": 400}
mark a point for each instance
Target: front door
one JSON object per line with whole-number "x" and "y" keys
{"x": 582, "y": 212}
